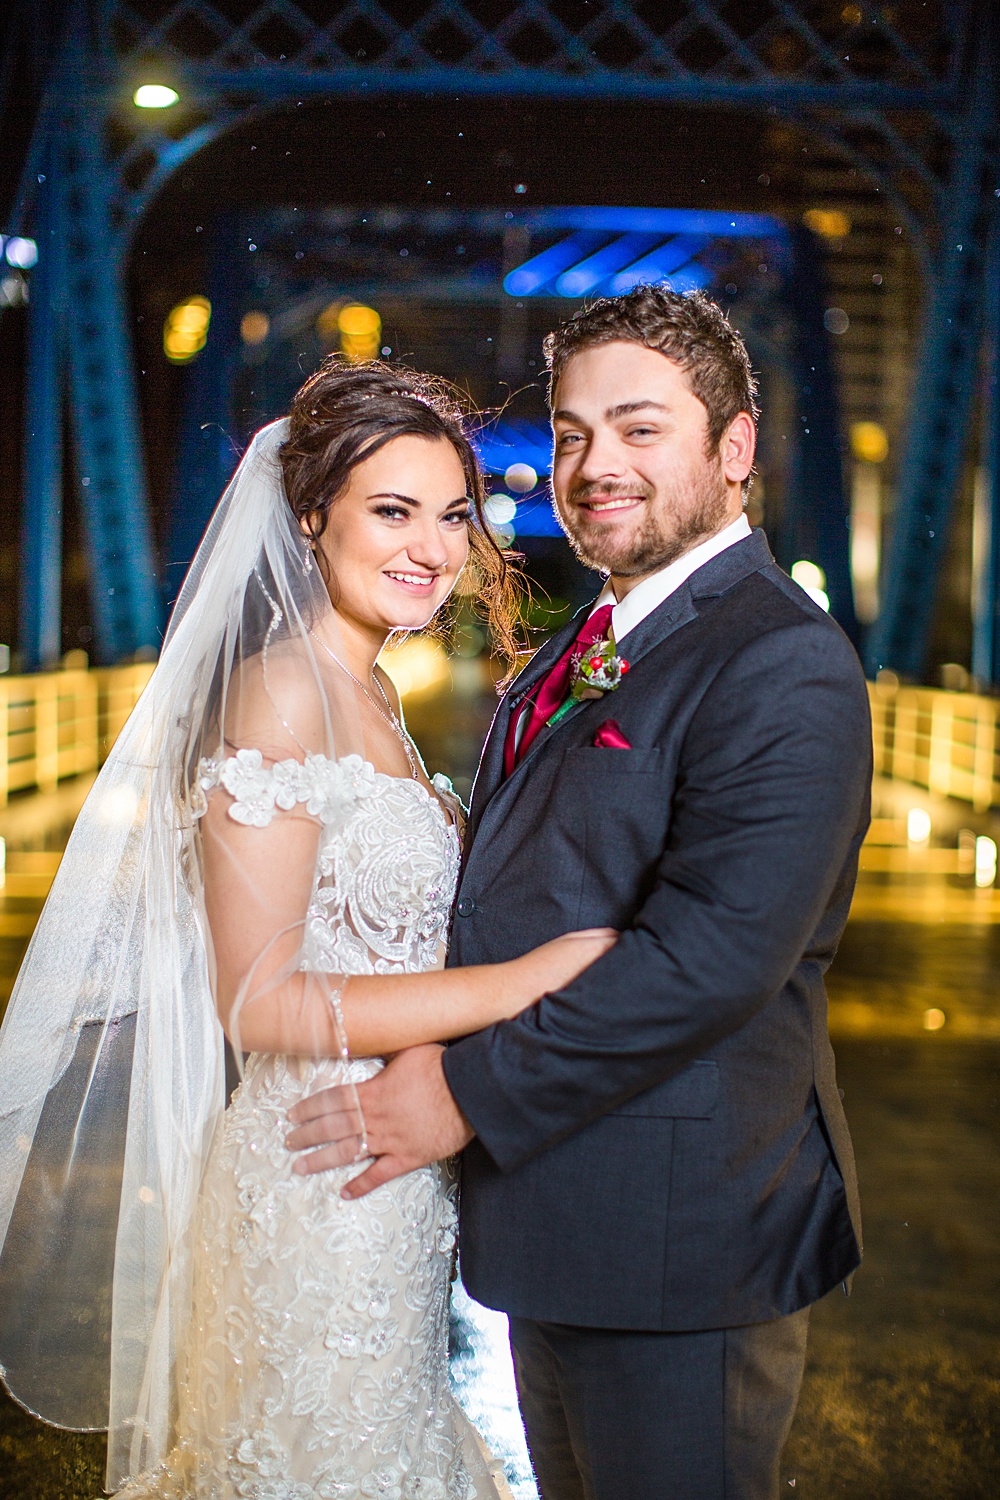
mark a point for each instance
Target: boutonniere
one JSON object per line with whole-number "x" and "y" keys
{"x": 597, "y": 671}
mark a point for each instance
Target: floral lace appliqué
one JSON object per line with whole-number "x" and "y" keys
{"x": 315, "y": 1366}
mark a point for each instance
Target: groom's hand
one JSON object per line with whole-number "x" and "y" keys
{"x": 410, "y": 1118}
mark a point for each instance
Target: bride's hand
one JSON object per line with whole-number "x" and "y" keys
{"x": 554, "y": 964}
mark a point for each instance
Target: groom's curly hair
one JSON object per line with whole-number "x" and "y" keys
{"x": 690, "y": 330}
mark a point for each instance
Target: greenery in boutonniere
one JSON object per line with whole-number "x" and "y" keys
{"x": 597, "y": 671}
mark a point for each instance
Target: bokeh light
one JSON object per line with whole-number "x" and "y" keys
{"x": 828, "y": 223}
{"x": 500, "y": 510}
{"x": 810, "y": 577}
{"x": 918, "y": 825}
{"x": 986, "y": 860}
{"x": 186, "y": 329}
{"x": 418, "y": 665}
{"x": 520, "y": 478}
{"x": 869, "y": 442}
{"x": 360, "y": 330}
{"x": 254, "y": 328}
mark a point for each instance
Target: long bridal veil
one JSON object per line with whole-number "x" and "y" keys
{"x": 111, "y": 1053}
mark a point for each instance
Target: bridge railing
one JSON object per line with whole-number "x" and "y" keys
{"x": 59, "y": 724}
{"x": 943, "y": 741}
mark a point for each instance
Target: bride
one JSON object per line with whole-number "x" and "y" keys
{"x": 263, "y": 855}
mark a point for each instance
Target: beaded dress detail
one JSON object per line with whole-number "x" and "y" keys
{"x": 316, "y": 1365}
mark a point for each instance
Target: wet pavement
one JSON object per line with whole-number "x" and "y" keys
{"x": 901, "y": 1399}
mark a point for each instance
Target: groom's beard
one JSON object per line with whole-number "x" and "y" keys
{"x": 672, "y": 523}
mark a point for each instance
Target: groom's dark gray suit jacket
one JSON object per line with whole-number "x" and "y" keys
{"x": 661, "y": 1144}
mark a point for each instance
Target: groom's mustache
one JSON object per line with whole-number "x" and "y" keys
{"x": 591, "y": 489}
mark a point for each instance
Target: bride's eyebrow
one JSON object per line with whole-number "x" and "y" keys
{"x": 409, "y": 500}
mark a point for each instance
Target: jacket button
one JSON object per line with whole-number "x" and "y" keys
{"x": 466, "y": 907}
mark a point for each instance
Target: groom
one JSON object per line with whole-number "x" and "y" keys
{"x": 657, "y": 1178}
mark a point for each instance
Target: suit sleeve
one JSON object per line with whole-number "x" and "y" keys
{"x": 769, "y": 806}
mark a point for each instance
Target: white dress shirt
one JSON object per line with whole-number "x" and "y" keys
{"x": 652, "y": 591}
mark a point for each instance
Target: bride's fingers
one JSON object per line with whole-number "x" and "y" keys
{"x": 325, "y": 1130}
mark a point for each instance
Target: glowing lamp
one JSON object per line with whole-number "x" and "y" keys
{"x": 154, "y": 96}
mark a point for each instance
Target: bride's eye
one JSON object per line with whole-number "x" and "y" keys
{"x": 462, "y": 517}
{"x": 393, "y": 512}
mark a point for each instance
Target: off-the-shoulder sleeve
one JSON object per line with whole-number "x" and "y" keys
{"x": 323, "y": 787}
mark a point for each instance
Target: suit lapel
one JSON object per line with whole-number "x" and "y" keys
{"x": 492, "y": 790}
{"x": 490, "y": 775}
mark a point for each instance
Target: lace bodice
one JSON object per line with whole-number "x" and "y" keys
{"x": 315, "y": 1363}
{"x": 387, "y": 861}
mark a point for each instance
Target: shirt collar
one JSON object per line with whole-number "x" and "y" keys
{"x": 651, "y": 592}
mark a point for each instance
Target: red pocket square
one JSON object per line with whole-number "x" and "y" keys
{"x": 610, "y": 737}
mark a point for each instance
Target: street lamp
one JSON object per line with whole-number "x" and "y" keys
{"x": 154, "y": 96}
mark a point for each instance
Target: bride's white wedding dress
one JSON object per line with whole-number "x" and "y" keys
{"x": 316, "y": 1363}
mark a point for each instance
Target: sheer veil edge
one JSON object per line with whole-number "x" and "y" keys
{"x": 111, "y": 1053}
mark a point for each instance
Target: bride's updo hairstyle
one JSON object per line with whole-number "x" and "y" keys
{"x": 345, "y": 413}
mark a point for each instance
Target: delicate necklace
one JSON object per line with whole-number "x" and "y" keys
{"x": 388, "y": 715}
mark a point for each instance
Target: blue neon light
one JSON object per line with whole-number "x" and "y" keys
{"x": 587, "y": 274}
{"x": 663, "y": 263}
{"x": 611, "y": 250}
{"x": 527, "y": 280}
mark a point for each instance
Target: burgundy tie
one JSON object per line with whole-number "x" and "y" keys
{"x": 553, "y": 690}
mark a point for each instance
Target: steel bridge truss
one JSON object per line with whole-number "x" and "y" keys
{"x": 907, "y": 96}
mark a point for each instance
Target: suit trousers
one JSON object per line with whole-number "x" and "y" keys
{"x": 618, "y": 1415}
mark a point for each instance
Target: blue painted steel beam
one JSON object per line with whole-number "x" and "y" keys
{"x": 817, "y": 518}
{"x": 986, "y": 617}
{"x": 944, "y": 396}
{"x": 615, "y": 219}
{"x": 105, "y": 407}
{"x": 206, "y": 453}
{"x": 207, "y": 84}
{"x": 40, "y": 631}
